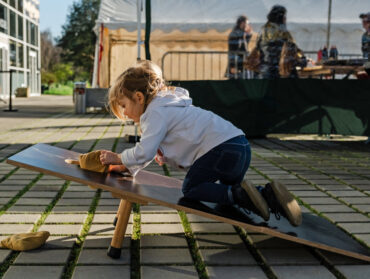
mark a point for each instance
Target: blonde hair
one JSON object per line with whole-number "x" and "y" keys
{"x": 145, "y": 77}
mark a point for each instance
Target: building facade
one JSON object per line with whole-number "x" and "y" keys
{"x": 20, "y": 45}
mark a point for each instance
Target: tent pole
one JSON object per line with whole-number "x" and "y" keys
{"x": 148, "y": 21}
{"x": 328, "y": 28}
{"x": 139, "y": 6}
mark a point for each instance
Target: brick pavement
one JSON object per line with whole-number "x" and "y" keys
{"x": 330, "y": 178}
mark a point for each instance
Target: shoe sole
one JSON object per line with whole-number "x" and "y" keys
{"x": 288, "y": 202}
{"x": 257, "y": 199}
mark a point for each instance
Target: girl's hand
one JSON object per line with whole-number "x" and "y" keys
{"x": 117, "y": 168}
{"x": 110, "y": 158}
{"x": 159, "y": 157}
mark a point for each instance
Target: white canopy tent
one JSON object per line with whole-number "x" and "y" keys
{"x": 204, "y": 25}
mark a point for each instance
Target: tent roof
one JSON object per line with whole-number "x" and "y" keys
{"x": 184, "y": 15}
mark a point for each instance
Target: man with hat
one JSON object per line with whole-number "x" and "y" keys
{"x": 365, "y": 41}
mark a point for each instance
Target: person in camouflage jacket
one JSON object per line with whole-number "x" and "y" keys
{"x": 270, "y": 43}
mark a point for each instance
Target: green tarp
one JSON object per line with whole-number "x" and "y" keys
{"x": 304, "y": 106}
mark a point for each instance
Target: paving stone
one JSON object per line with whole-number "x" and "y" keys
{"x": 356, "y": 201}
{"x": 267, "y": 241}
{"x": 103, "y": 241}
{"x": 364, "y": 237}
{"x": 71, "y": 209}
{"x": 7, "y": 194}
{"x": 19, "y": 218}
{"x": 54, "y": 188}
{"x": 212, "y": 227}
{"x": 109, "y": 202}
{"x": 161, "y": 228}
{"x": 165, "y": 256}
{"x": 99, "y": 256}
{"x": 65, "y": 218}
{"x": 230, "y": 241}
{"x": 59, "y": 242}
{"x": 363, "y": 207}
{"x": 319, "y": 200}
{"x": 160, "y": 218}
{"x": 34, "y": 272}
{"x": 74, "y": 194}
{"x": 4, "y": 200}
{"x": 3, "y": 254}
{"x": 347, "y": 217}
{"x": 351, "y": 193}
{"x": 39, "y": 194}
{"x": 303, "y": 272}
{"x": 156, "y": 208}
{"x": 107, "y": 229}
{"x": 333, "y": 208}
{"x": 337, "y": 259}
{"x": 236, "y": 272}
{"x": 72, "y": 202}
{"x": 309, "y": 193}
{"x": 175, "y": 240}
{"x": 200, "y": 219}
{"x": 356, "y": 227}
{"x": 106, "y": 209}
{"x": 355, "y": 271}
{"x": 173, "y": 272}
{"x": 227, "y": 257}
{"x": 15, "y": 228}
{"x": 107, "y": 218}
{"x": 43, "y": 256}
{"x": 288, "y": 256}
{"x": 27, "y": 209}
{"x": 80, "y": 188}
{"x": 62, "y": 229}
{"x": 101, "y": 271}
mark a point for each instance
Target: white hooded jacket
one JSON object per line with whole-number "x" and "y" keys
{"x": 181, "y": 131}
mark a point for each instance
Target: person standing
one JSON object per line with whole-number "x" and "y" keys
{"x": 238, "y": 41}
{"x": 273, "y": 36}
{"x": 365, "y": 40}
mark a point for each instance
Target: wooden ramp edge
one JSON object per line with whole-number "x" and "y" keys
{"x": 166, "y": 191}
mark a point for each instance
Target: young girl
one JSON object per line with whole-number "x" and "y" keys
{"x": 209, "y": 148}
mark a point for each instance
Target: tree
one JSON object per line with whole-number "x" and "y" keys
{"x": 78, "y": 38}
{"x": 48, "y": 78}
{"x": 50, "y": 54}
{"x": 63, "y": 72}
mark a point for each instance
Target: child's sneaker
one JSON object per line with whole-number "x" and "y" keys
{"x": 281, "y": 201}
{"x": 248, "y": 197}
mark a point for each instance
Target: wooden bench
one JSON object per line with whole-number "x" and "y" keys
{"x": 149, "y": 187}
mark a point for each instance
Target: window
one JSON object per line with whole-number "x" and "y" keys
{"x": 20, "y": 27}
{"x": 33, "y": 33}
{"x": 3, "y": 19}
{"x": 20, "y": 6}
{"x": 20, "y": 59}
{"x": 12, "y": 23}
{"x": 28, "y": 39}
{"x": 12, "y": 53}
{"x": 12, "y": 3}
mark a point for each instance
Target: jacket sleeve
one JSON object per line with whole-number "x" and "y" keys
{"x": 153, "y": 131}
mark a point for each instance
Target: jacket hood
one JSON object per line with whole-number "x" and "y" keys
{"x": 178, "y": 97}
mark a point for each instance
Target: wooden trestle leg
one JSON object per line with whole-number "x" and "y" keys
{"x": 123, "y": 215}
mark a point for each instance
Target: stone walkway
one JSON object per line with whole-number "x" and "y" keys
{"x": 329, "y": 178}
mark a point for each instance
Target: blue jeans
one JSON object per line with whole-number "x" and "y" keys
{"x": 227, "y": 162}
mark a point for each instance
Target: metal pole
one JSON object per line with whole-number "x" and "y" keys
{"x": 139, "y": 6}
{"x": 10, "y": 93}
{"x": 328, "y": 29}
